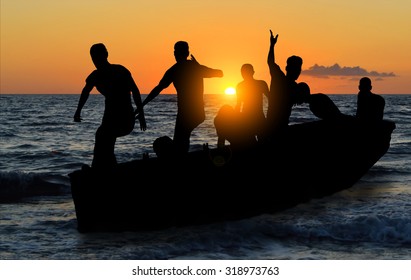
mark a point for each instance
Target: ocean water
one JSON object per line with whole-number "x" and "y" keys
{"x": 40, "y": 145}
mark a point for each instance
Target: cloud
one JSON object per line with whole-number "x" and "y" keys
{"x": 337, "y": 70}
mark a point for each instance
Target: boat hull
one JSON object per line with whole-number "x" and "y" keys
{"x": 316, "y": 159}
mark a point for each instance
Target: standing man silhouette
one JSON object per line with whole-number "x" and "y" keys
{"x": 283, "y": 90}
{"x": 115, "y": 83}
{"x": 250, "y": 101}
{"x": 187, "y": 77}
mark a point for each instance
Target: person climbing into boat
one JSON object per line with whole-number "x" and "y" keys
{"x": 370, "y": 106}
{"x": 115, "y": 83}
{"x": 282, "y": 93}
{"x": 187, "y": 77}
{"x": 250, "y": 100}
{"x": 320, "y": 104}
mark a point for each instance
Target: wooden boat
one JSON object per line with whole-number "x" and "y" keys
{"x": 316, "y": 159}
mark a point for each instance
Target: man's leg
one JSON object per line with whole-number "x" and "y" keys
{"x": 104, "y": 149}
{"x": 182, "y": 137}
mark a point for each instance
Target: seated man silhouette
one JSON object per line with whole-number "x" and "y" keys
{"x": 370, "y": 106}
{"x": 164, "y": 147}
{"x": 229, "y": 125}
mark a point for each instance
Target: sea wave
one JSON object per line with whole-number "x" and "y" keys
{"x": 16, "y": 185}
{"x": 375, "y": 228}
{"x": 378, "y": 228}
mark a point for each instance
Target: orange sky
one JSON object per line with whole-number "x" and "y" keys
{"x": 45, "y": 43}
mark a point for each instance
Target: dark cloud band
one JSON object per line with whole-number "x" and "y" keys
{"x": 337, "y": 70}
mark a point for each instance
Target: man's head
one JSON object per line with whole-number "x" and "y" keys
{"x": 293, "y": 68}
{"x": 247, "y": 71}
{"x": 365, "y": 84}
{"x": 99, "y": 54}
{"x": 181, "y": 50}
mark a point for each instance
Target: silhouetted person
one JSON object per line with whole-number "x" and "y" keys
{"x": 187, "y": 78}
{"x": 370, "y": 106}
{"x": 250, "y": 99}
{"x": 282, "y": 91}
{"x": 115, "y": 83}
{"x": 164, "y": 148}
{"x": 320, "y": 104}
{"x": 229, "y": 124}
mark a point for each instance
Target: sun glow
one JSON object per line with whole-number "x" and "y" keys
{"x": 230, "y": 91}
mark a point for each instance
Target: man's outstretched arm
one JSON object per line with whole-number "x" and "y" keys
{"x": 85, "y": 93}
{"x": 210, "y": 72}
{"x": 153, "y": 94}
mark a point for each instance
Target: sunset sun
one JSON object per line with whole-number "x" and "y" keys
{"x": 230, "y": 91}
